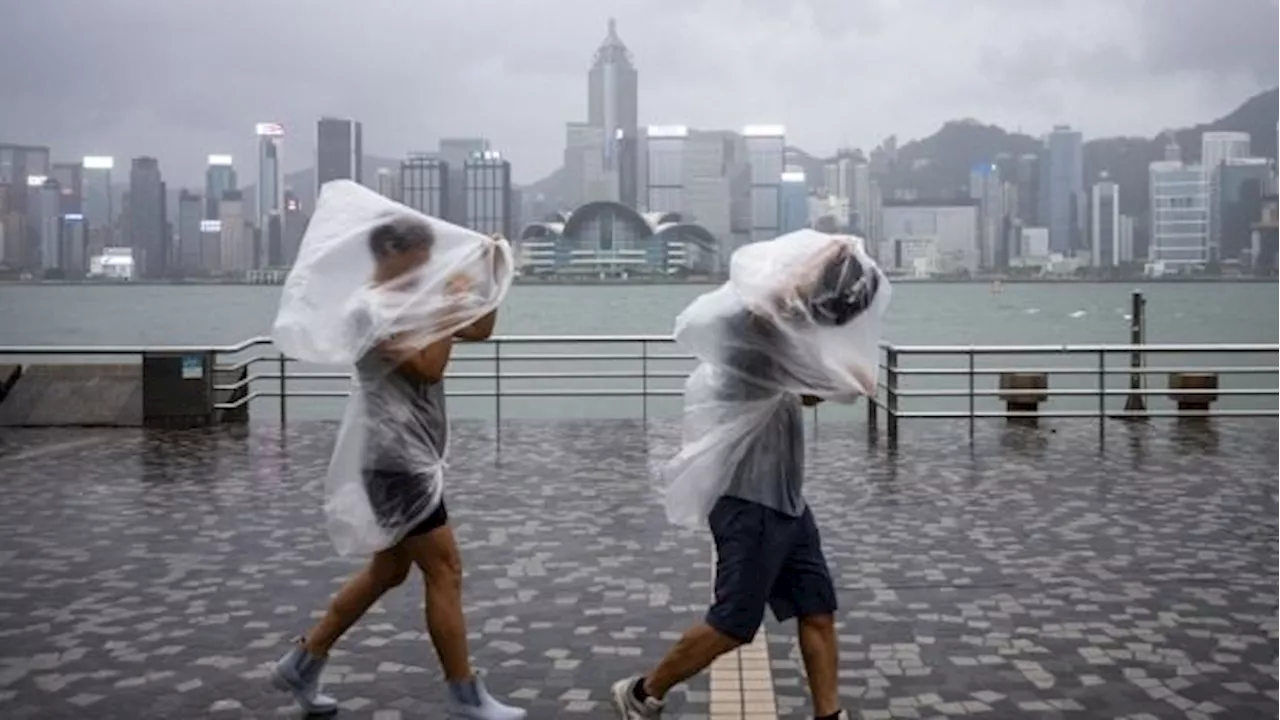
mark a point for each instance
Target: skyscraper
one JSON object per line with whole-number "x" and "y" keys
{"x": 455, "y": 152}
{"x": 613, "y": 97}
{"x": 211, "y": 244}
{"x": 70, "y": 179}
{"x": 44, "y": 223}
{"x": 1217, "y": 148}
{"x": 270, "y": 194}
{"x": 219, "y": 177}
{"x": 628, "y": 175}
{"x": 191, "y": 209}
{"x": 339, "y": 151}
{"x": 75, "y": 258}
{"x": 235, "y": 242}
{"x": 1026, "y": 178}
{"x": 1062, "y": 202}
{"x": 766, "y": 150}
{"x": 148, "y": 234}
{"x": 717, "y": 186}
{"x": 986, "y": 188}
{"x": 664, "y": 184}
{"x": 794, "y": 200}
{"x": 389, "y": 183}
{"x": 586, "y": 179}
{"x": 1239, "y": 188}
{"x": 844, "y": 178}
{"x": 426, "y": 184}
{"x": 295, "y": 225}
{"x": 99, "y": 203}
{"x": 17, "y": 164}
{"x": 487, "y": 185}
{"x": 1104, "y": 225}
{"x": 1179, "y": 204}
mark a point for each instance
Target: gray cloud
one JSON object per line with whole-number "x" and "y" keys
{"x": 1212, "y": 38}
{"x": 181, "y": 79}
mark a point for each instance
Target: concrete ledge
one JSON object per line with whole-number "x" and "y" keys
{"x": 74, "y": 395}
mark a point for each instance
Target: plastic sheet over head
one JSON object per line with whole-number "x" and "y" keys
{"x": 422, "y": 293}
{"x": 376, "y": 282}
{"x": 799, "y": 316}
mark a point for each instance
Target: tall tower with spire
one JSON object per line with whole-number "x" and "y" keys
{"x": 613, "y": 102}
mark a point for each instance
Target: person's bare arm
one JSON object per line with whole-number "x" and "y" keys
{"x": 482, "y": 329}
{"x": 428, "y": 363}
{"x": 479, "y": 330}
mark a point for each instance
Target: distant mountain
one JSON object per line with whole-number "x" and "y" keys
{"x": 939, "y": 165}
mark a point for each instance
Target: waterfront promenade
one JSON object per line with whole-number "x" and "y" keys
{"x": 1032, "y": 574}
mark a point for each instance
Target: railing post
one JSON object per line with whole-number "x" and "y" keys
{"x": 497, "y": 390}
{"x": 1136, "y": 404}
{"x": 872, "y": 407}
{"x": 891, "y": 395}
{"x": 284, "y": 397}
{"x": 1102, "y": 395}
{"x": 644, "y": 382}
{"x": 971, "y": 393}
{"x": 873, "y": 397}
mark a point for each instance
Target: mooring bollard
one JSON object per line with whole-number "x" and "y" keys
{"x": 1022, "y": 394}
{"x": 1193, "y": 402}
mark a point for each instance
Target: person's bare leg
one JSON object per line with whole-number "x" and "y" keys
{"x": 436, "y": 554}
{"x": 700, "y": 645}
{"x": 820, "y": 653}
{"x": 385, "y": 571}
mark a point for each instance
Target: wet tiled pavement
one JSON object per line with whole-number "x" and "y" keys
{"x": 1032, "y": 574}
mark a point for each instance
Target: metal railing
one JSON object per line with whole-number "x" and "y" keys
{"x": 961, "y": 390}
{"x": 1093, "y": 364}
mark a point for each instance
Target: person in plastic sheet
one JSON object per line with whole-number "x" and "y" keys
{"x": 393, "y": 377}
{"x": 768, "y": 550}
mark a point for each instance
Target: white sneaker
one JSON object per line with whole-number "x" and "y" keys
{"x": 624, "y": 701}
{"x": 479, "y": 705}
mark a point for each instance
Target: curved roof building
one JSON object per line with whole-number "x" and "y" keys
{"x": 606, "y": 239}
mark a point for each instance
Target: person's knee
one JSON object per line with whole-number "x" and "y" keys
{"x": 733, "y": 629}
{"x": 390, "y": 573}
{"x": 824, "y": 623}
{"x": 444, "y": 570}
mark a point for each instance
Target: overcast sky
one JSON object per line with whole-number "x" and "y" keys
{"x": 180, "y": 79}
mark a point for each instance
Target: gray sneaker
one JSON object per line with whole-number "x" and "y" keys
{"x": 624, "y": 701}
{"x": 298, "y": 673}
{"x": 471, "y": 701}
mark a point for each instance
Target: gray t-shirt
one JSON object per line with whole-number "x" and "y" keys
{"x": 406, "y": 426}
{"x": 771, "y": 471}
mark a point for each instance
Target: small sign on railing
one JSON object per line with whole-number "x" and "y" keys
{"x": 192, "y": 367}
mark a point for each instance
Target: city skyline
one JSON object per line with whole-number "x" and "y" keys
{"x": 1155, "y": 70}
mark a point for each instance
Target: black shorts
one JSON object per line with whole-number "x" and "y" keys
{"x": 764, "y": 557}
{"x": 395, "y": 496}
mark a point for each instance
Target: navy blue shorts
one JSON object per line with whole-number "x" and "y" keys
{"x": 764, "y": 557}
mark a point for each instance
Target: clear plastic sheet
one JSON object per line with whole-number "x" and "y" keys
{"x": 376, "y": 282}
{"x": 800, "y": 315}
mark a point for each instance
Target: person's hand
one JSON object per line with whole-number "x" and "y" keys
{"x": 458, "y": 285}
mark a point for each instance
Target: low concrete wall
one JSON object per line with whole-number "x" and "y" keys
{"x": 68, "y": 395}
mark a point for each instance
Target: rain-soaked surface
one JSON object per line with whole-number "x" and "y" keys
{"x": 1034, "y": 573}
